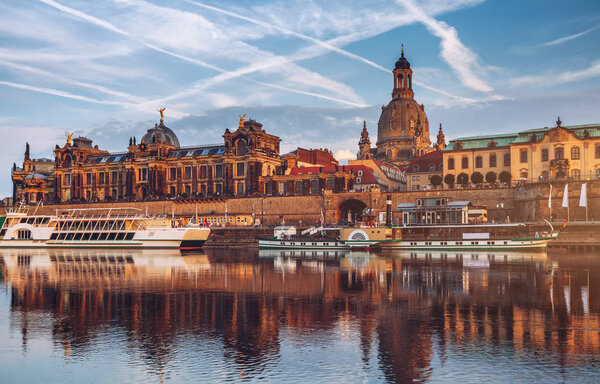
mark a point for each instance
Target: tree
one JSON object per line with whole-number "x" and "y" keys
{"x": 491, "y": 177}
{"x": 504, "y": 177}
{"x": 449, "y": 180}
{"x": 436, "y": 180}
{"x": 462, "y": 179}
{"x": 477, "y": 178}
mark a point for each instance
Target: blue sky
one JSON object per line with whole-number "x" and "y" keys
{"x": 310, "y": 71}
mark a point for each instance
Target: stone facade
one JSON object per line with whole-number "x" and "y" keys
{"x": 33, "y": 183}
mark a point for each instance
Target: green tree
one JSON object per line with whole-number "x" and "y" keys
{"x": 449, "y": 180}
{"x": 491, "y": 177}
{"x": 504, "y": 177}
{"x": 477, "y": 178}
{"x": 462, "y": 179}
{"x": 436, "y": 180}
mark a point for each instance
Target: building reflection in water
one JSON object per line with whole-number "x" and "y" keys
{"x": 406, "y": 307}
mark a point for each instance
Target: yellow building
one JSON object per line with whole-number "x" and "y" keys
{"x": 541, "y": 154}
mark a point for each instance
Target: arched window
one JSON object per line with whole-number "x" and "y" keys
{"x": 242, "y": 148}
{"x": 575, "y": 174}
{"x": 559, "y": 153}
{"x": 451, "y": 163}
{"x": 23, "y": 234}
{"x": 465, "y": 162}
{"x": 493, "y": 160}
{"x": 432, "y": 167}
{"x": 574, "y": 153}
{"x": 388, "y": 153}
{"x": 416, "y": 168}
{"x": 597, "y": 151}
{"x": 400, "y": 81}
{"x": 68, "y": 161}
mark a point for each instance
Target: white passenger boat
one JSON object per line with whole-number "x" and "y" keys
{"x": 97, "y": 228}
{"x": 515, "y": 236}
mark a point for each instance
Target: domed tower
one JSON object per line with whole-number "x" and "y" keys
{"x": 403, "y": 128}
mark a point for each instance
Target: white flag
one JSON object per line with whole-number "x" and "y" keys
{"x": 566, "y": 196}
{"x": 550, "y": 197}
{"x": 583, "y": 196}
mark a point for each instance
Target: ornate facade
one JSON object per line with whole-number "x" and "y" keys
{"x": 33, "y": 182}
{"x": 158, "y": 167}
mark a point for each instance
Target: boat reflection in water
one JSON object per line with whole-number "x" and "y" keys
{"x": 345, "y": 316}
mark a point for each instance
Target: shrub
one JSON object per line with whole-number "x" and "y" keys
{"x": 462, "y": 179}
{"x": 449, "y": 180}
{"x": 477, "y": 178}
{"x": 491, "y": 177}
{"x": 436, "y": 180}
{"x": 504, "y": 177}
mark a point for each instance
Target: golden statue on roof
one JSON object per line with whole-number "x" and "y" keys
{"x": 162, "y": 114}
{"x": 241, "y": 123}
{"x": 69, "y": 136}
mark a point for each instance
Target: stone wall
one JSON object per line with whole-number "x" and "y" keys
{"x": 526, "y": 203}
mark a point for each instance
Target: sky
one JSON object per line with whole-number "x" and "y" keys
{"x": 310, "y": 71}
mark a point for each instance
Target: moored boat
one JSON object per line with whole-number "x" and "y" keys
{"x": 97, "y": 228}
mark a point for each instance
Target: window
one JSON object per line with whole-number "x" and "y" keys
{"x": 597, "y": 151}
{"x": 330, "y": 184}
{"x": 524, "y": 175}
{"x": 507, "y": 160}
{"x": 465, "y": 163}
{"x": 575, "y": 153}
{"x": 431, "y": 167}
{"x": 203, "y": 189}
{"x": 173, "y": 174}
{"x": 114, "y": 179}
{"x": 544, "y": 155}
{"x": 240, "y": 189}
{"x": 219, "y": 170}
{"x": 575, "y": 174}
{"x": 314, "y": 186}
{"x": 188, "y": 173}
{"x": 451, "y": 163}
{"x": 88, "y": 178}
{"x": 203, "y": 171}
{"x": 478, "y": 162}
{"x": 493, "y": 160}
{"x": 416, "y": 168}
{"x": 101, "y": 178}
{"x": 597, "y": 172}
{"x": 360, "y": 173}
{"x": 240, "y": 169}
{"x": 188, "y": 190}
{"x": 23, "y": 234}
{"x": 298, "y": 189}
{"x": 142, "y": 174}
{"x": 523, "y": 156}
{"x": 218, "y": 189}
{"x": 67, "y": 179}
{"x": 559, "y": 153}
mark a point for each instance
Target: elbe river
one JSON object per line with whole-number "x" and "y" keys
{"x": 132, "y": 316}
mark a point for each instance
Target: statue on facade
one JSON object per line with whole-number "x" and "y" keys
{"x": 69, "y": 136}
{"x": 241, "y": 123}
{"x": 27, "y": 151}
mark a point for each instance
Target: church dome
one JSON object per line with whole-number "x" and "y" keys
{"x": 400, "y": 121}
{"x": 161, "y": 134}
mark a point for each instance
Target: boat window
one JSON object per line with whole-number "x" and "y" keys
{"x": 94, "y": 236}
{"x": 78, "y": 236}
{"x": 30, "y": 220}
{"x": 86, "y": 236}
{"x": 70, "y": 236}
{"x": 129, "y": 236}
{"x": 111, "y": 236}
{"x": 53, "y": 236}
{"x": 120, "y": 236}
{"x": 102, "y": 236}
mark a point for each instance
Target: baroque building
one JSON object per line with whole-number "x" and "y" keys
{"x": 540, "y": 154}
{"x": 159, "y": 167}
{"x": 33, "y": 182}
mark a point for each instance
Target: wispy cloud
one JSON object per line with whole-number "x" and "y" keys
{"x": 555, "y": 78}
{"x": 570, "y": 37}
{"x": 460, "y": 58}
{"x": 56, "y": 92}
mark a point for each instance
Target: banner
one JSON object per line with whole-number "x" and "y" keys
{"x": 583, "y": 196}
{"x": 566, "y": 196}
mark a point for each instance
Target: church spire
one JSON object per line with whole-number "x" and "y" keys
{"x": 441, "y": 139}
{"x": 364, "y": 144}
{"x": 402, "y": 78}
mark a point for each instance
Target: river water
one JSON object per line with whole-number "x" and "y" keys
{"x": 78, "y": 316}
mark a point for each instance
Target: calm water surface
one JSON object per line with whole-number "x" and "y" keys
{"x": 159, "y": 316}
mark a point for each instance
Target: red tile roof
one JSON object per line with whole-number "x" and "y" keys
{"x": 315, "y": 156}
{"x": 366, "y": 178}
{"x": 424, "y": 161}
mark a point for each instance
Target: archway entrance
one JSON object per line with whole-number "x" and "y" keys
{"x": 351, "y": 209}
